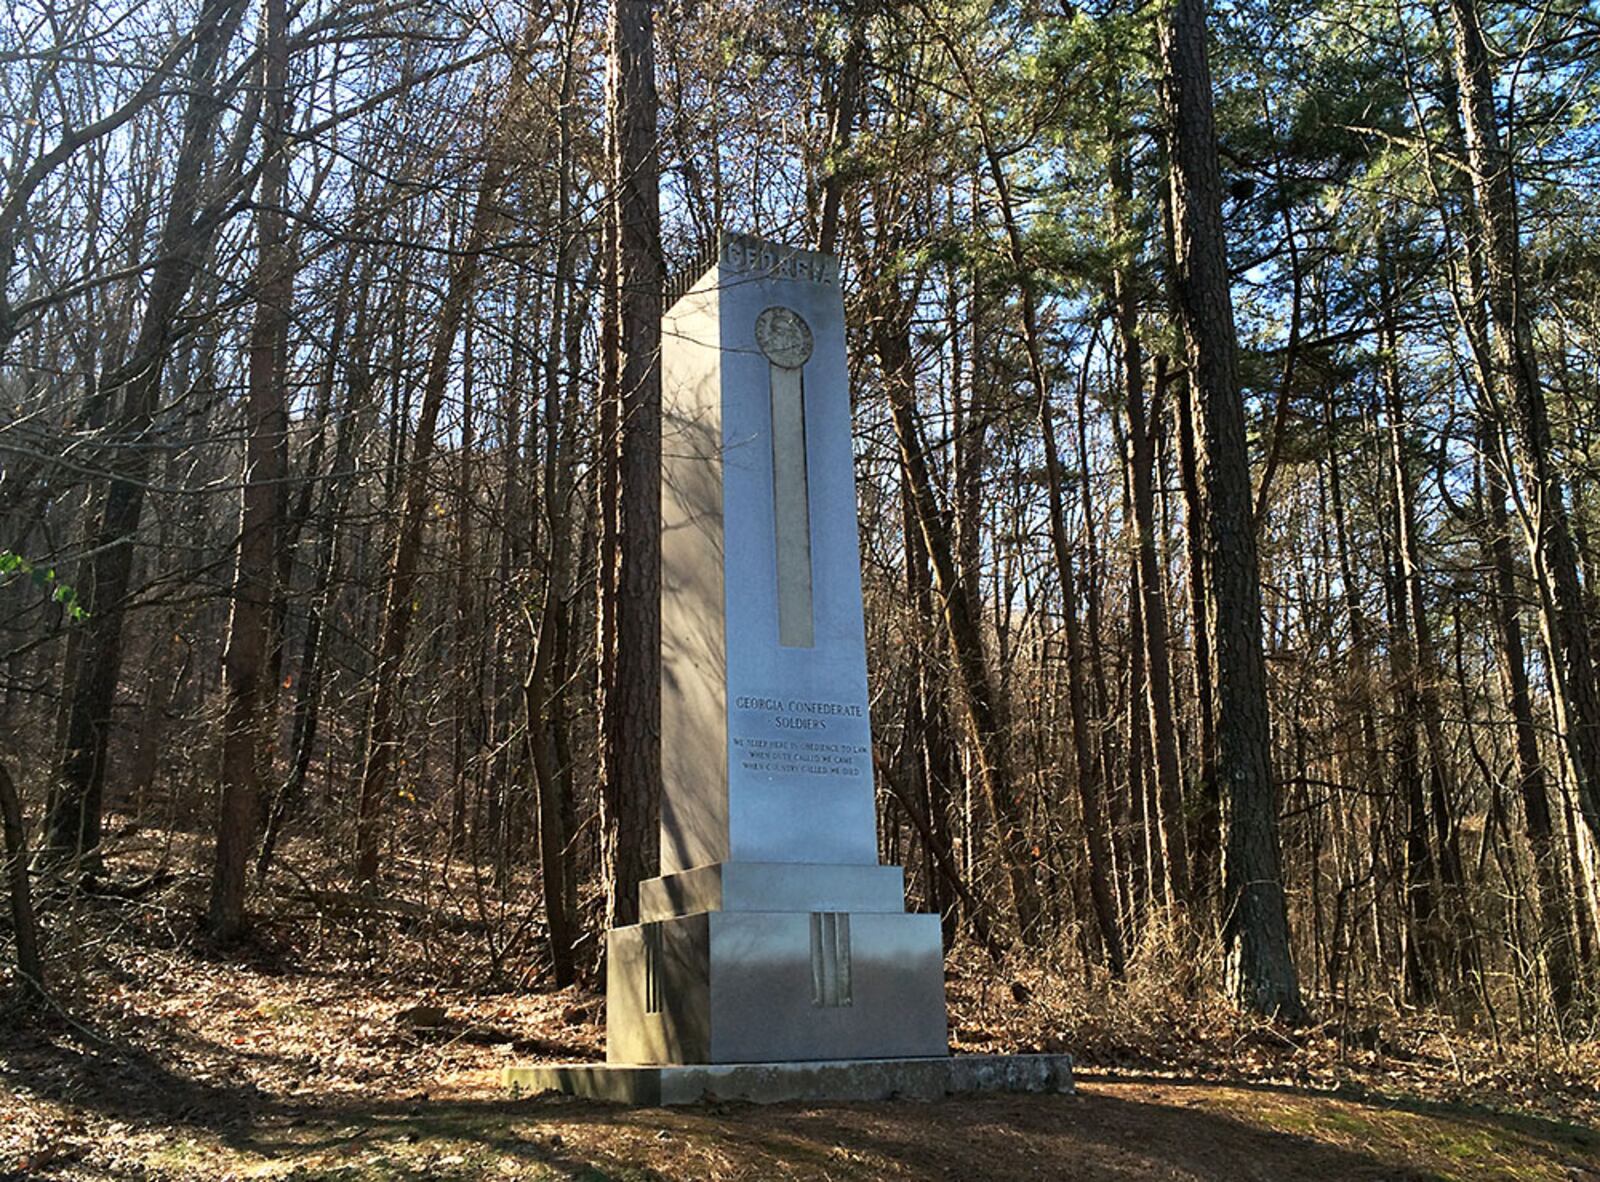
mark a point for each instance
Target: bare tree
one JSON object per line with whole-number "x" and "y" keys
{"x": 249, "y": 687}
{"x": 74, "y": 818}
{"x": 382, "y": 734}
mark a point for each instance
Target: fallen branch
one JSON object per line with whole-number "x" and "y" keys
{"x": 358, "y": 904}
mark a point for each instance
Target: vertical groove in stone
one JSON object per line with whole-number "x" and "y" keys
{"x": 841, "y": 954}
{"x": 652, "y": 968}
{"x": 791, "y": 504}
{"x": 818, "y": 972}
{"x": 830, "y": 958}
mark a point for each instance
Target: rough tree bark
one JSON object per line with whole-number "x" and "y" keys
{"x": 629, "y": 790}
{"x": 1255, "y": 912}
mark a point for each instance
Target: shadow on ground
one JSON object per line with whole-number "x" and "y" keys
{"x": 1114, "y": 1129}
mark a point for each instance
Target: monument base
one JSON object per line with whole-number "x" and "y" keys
{"x": 775, "y": 986}
{"x": 771, "y": 1083}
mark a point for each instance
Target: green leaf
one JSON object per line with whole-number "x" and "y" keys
{"x": 12, "y": 563}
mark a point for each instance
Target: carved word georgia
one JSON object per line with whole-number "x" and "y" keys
{"x": 749, "y": 254}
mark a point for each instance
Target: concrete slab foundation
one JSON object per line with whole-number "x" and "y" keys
{"x": 771, "y": 1083}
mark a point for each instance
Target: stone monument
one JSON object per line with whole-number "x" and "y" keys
{"x": 774, "y": 958}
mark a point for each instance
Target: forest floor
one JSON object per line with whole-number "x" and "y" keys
{"x": 282, "y": 1060}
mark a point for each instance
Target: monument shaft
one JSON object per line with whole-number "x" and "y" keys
{"x": 773, "y": 932}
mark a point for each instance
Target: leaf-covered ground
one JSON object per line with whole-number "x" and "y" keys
{"x": 1114, "y": 1128}
{"x": 326, "y": 1050}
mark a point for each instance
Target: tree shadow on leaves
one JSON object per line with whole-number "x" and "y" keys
{"x": 1160, "y": 1131}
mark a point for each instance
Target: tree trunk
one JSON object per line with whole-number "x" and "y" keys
{"x": 1423, "y": 952}
{"x": 1141, "y": 469}
{"x": 382, "y": 740}
{"x": 892, "y": 342}
{"x": 25, "y": 932}
{"x": 1555, "y": 914}
{"x": 1420, "y": 688}
{"x": 543, "y": 690}
{"x": 72, "y": 825}
{"x": 1090, "y": 778}
{"x": 307, "y": 708}
{"x": 467, "y": 687}
{"x": 1206, "y": 843}
{"x": 927, "y": 749}
{"x": 841, "y": 124}
{"x": 630, "y": 789}
{"x": 248, "y": 694}
{"x": 1515, "y": 380}
{"x": 1255, "y": 911}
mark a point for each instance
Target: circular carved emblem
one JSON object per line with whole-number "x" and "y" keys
{"x": 784, "y": 337}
